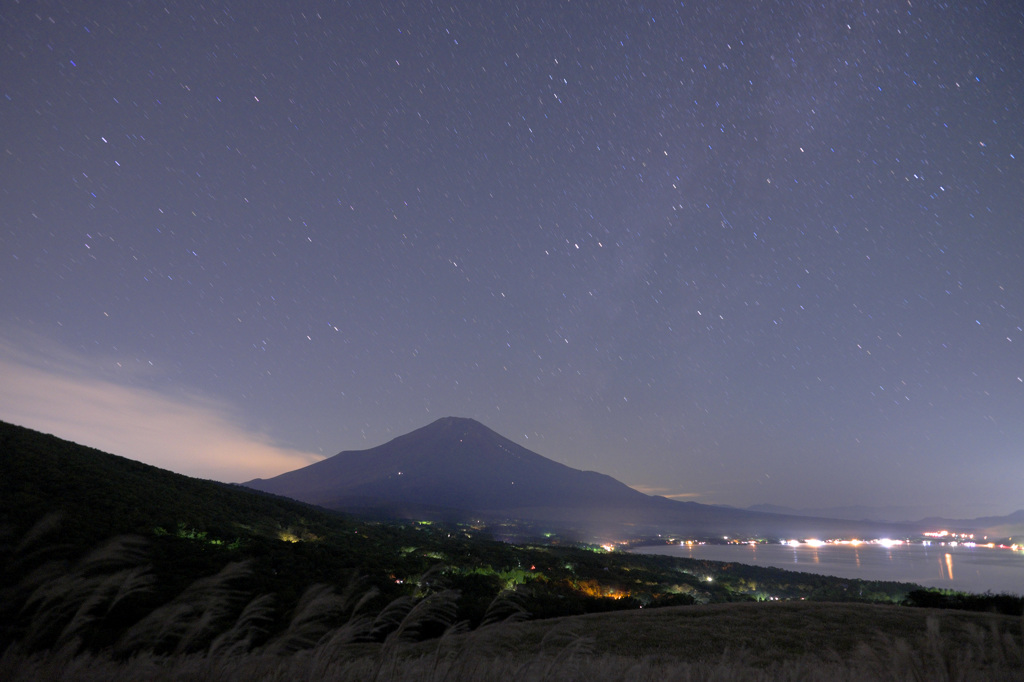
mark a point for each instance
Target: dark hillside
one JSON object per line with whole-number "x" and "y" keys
{"x": 99, "y": 495}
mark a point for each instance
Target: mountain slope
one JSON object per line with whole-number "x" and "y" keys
{"x": 452, "y": 463}
{"x": 461, "y": 469}
{"x": 99, "y": 495}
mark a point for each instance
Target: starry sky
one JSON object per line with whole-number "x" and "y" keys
{"x": 768, "y": 254}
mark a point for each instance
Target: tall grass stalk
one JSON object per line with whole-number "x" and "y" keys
{"x": 193, "y": 619}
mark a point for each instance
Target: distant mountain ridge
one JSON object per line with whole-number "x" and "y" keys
{"x": 851, "y": 512}
{"x": 459, "y": 468}
{"x": 1008, "y": 525}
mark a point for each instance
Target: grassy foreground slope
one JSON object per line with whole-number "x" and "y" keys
{"x": 778, "y": 641}
{"x": 765, "y": 632}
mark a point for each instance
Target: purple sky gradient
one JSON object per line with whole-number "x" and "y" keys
{"x": 769, "y": 254}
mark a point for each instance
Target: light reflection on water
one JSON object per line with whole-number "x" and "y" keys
{"x": 970, "y": 569}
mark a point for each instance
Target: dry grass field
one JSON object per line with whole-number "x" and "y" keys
{"x": 778, "y": 641}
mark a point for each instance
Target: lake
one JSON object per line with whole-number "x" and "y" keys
{"x": 968, "y": 569}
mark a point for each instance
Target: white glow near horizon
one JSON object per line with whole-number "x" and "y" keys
{"x": 188, "y": 434}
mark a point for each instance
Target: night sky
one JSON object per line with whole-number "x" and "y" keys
{"x": 773, "y": 253}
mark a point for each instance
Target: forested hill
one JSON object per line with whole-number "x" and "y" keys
{"x": 99, "y": 495}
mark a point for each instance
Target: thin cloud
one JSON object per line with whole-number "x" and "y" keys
{"x": 680, "y": 496}
{"x": 53, "y": 392}
{"x": 665, "y": 492}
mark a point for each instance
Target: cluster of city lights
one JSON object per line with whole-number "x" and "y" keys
{"x": 814, "y": 542}
{"x": 946, "y": 538}
{"x": 952, "y": 539}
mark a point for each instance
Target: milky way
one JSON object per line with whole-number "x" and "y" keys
{"x": 769, "y": 254}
